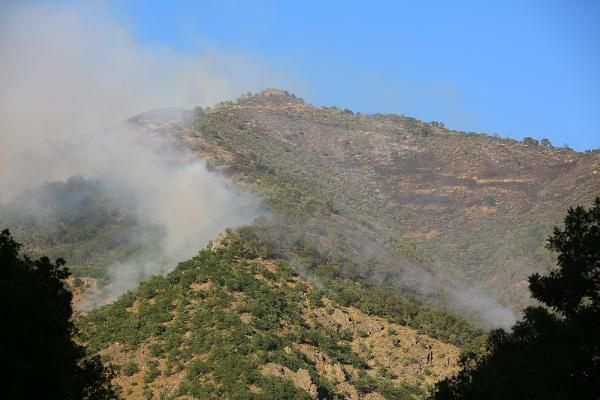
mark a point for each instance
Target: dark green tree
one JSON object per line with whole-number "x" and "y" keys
{"x": 554, "y": 351}
{"x": 39, "y": 358}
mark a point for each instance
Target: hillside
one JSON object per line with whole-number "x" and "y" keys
{"x": 232, "y": 324}
{"x": 413, "y": 204}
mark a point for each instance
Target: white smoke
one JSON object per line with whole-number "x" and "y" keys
{"x": 481, "y": 307}
{"x": 65, "y": 77}
{"x": 65, "y": 73}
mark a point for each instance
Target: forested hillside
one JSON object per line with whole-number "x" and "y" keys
{"x": 230, "y": 323}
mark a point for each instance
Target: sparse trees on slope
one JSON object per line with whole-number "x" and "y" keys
{"x": 39, "y": 359}
{"x": 550, "y": 354}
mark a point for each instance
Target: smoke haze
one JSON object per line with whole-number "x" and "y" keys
{"x": 66, "y": 78}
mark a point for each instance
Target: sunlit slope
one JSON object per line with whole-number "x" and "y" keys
{"x": 229, "y": 323}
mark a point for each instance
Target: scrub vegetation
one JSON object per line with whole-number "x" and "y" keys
{"x": 233, "y": 323}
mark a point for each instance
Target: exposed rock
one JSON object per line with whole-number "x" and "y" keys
{"x": 301, "y": 378}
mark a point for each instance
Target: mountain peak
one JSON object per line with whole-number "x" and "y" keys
{"x": 276, "y": 96}
{"x": 271, "y": 92}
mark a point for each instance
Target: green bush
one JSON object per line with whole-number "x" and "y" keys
{"x": 152, "y": 372}
{"x": 130, "y": 368}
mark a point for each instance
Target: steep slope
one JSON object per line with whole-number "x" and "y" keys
{"x": 231, "y": 324}
{"x": 420, "y": 203}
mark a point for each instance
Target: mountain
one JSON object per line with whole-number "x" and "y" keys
{"x": 381, "y": 230}
{"x": 420, "y": 204}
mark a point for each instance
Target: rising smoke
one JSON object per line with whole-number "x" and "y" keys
{"x": 66, "y": 78}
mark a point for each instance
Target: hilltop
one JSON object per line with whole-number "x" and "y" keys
{"x": 230, "y": 323}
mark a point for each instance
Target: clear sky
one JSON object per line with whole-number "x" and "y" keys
{"x": 516, "y": 68}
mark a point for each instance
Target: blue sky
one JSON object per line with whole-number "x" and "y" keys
{"x": 516, "y": 68}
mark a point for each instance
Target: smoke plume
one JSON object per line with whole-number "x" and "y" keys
{"x": 67, "y": 78}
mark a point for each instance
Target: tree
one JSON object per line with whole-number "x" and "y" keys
{"x": 546, "y": 143}
{"x": 530, "y": 141}
{"x": 554, "y": 351}
{"x": 39, "y": 357}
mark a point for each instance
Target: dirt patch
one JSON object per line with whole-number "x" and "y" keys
{"x": 301, "y": 378}
{"x": 197, "y": 287}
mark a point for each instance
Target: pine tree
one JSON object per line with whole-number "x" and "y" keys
{"x": 553, "y": 352}
{"x": 39, "y": 359}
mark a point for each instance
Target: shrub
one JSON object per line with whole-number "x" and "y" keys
{"x": 130, "y": 368}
